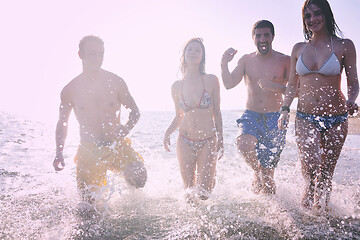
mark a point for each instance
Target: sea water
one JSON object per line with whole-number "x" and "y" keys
{"x": 38, "y": 203}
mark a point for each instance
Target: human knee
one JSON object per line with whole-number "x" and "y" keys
{"x": 136, "y": 175}
{"x": 245, "y": 145}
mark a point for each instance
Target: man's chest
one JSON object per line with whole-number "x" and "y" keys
{"x": 95, "y": 97}
{"x": 256, "y": 72}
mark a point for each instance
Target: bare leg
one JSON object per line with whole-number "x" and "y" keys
{"x": 89, "y": 177}
{"x": 333, "y": 141}
{"x": 309, "y": 144}
{"x": 86, "y": 192}
{"x": 135, "y": 174}
{"x": 246, "y": 145}
{"x": 269, "y": 186}
{"x": 187, "y": 162}
{"x": 206, "y": 167}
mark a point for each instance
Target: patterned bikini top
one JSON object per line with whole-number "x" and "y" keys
{"x": 205, "y": 100}
{"x": 331, "y": 67}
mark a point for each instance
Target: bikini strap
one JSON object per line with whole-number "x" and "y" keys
{"x": 182, "y": 94}
{"x": 304, "y": 48}
{"x": 332, "y": 46}
{"x": 203, "y": 93}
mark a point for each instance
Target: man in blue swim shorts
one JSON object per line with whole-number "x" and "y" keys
{"x": 265, "y": 73}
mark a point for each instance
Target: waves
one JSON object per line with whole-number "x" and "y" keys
{"x": 38, "y": 203}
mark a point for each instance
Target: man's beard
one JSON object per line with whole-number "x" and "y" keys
{"x": 263, "y": 50}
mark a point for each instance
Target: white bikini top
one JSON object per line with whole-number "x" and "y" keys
{"x": 331, "y": 67}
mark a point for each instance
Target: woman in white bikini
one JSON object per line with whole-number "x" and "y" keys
{"x": 198, "y": 117}
{"x": 321, "y": 119}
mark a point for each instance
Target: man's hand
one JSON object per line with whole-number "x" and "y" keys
{"x": 220, "y": 149}
{"x": 283, "y": 120}
{"x": 228, "y": 55}
{"x": 265, "y": 84}
{"x": 59, "y": 159}
{"x": 123, "y": 131}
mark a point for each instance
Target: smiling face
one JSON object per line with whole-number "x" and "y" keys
{"x": 193, "y": 53}
{"x": 314, "y": 18}
{"x": 263, "y": 40}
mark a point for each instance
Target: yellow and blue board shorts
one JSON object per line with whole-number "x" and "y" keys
{"x": 93, "y": 160}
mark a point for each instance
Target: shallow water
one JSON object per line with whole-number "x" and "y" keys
{"x": 38, "y": 203}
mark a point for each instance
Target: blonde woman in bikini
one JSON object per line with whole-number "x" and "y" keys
{"x": 198, "y": 117}
{"x": 322, "y": 111}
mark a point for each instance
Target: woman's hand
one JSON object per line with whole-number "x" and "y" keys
{"x": 283, "y": 120}
{"x": 220, "y": 149}
{"x": 352, "y": 107}
{"x": 166, "y": 142}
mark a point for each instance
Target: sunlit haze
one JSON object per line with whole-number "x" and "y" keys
{"x": 143, "y": 43}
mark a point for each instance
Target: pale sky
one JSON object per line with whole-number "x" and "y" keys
{"x": 143, "y": 43}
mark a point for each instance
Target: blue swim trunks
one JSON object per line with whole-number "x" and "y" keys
{"x": 271, "y": 140}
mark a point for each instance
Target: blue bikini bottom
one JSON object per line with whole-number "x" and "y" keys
{"x": 323, "y": 122}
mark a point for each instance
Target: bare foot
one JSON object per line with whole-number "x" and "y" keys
{"x": 256, "y": 184}
{"x": 307, "y": 200}
{"x": 269, "y": 187}
{"x": 317, "y": 210}
{"x": 190, "y": 198}
{"x": 202, "y": 193}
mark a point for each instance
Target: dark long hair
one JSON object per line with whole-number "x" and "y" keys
{"x": 202, "y": 63}
{"x": 331, "y": 25}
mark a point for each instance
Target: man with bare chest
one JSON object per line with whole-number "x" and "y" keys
{"x": 265, "y": 73}
{"x": 96, "y": 96}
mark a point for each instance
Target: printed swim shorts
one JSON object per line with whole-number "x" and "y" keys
{"x": 271, "y": 140}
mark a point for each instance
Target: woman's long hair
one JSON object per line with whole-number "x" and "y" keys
{"x": 331, "y": 25}
{"x": 183, "y": 66}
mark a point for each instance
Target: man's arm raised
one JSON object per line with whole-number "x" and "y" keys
{"x": 232, "y": 79}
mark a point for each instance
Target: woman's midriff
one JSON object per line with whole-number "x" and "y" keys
{"x": 318, "y": 97}
{"x": 198, "y": 125}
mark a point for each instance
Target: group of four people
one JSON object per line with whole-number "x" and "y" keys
{"x": 312, "y": 73}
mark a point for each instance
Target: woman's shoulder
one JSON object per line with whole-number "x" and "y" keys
{"x": 343, "y": 41}
{"x": 211, "y": 81}
{"x": 298, "y": 48}
{"x": 345, "y": 45}
{"x": 176, "y": 86}
{"x": 210, "y": 78}
{"x": 299, "y": 45}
